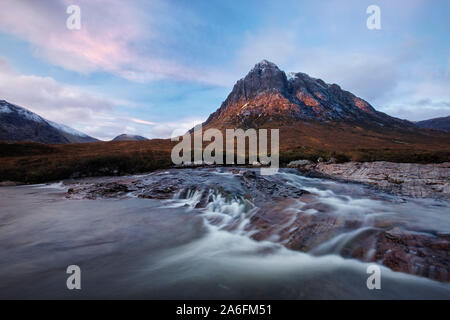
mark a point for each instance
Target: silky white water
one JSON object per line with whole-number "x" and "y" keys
{"x": 144, "y": 248}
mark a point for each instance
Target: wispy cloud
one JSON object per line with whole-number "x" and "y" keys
{"x": 88, "y": 112}
{"x": 119, "y": 37}
{"x": 370, "y": 74}
{"x": 143, "y": 121}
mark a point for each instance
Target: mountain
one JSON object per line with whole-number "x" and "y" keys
{"x": 266, "y": 93}
{"x": 312, "y": 113}
{"x": 20, "y": 124}
{"x": 129, "y": 137}
{"x": 442, "y": 124}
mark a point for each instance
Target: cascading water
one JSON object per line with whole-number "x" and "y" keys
{"x": 218, "y": 233}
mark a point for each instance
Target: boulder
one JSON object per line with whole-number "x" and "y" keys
{"x": 299, "y": 163}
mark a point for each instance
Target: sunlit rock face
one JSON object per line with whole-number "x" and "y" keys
{"x": 268, "y": 94}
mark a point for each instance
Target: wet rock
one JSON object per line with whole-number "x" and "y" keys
{"x": 108, "y": 190}
{"x": 249, "y": 175}
{"x": 283, "y": 212}
{"x": 423, "y": 254}
{"x": 162, "y": 192}
{"x": 409, "y": 179}
{"x": 419, "y": 253}
{"x": 9, "y": 183}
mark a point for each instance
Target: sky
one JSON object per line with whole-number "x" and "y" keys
{"x": 152, "y": 67}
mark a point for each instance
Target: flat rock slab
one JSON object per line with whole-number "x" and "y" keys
{"x": 409, "y": 179}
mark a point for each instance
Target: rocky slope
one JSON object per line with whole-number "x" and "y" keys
{"x": 266, "y": 93}
{"x": 20, "y": 124}
{"x": 409, "y": 179}
{"x": 442, "y": 124}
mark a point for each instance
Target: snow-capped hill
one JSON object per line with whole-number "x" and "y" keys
{"x": 67, "y": 129}
{"x": 20, "y": 124}
{"x": 6, "y": 107}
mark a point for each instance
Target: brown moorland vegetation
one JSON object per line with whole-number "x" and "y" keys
{"x": 35, "y": 163}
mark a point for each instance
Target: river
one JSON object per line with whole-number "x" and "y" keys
{"x": 217, "y": 233}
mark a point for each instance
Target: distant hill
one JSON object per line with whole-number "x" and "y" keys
{"x": 129, "y": 137}
{"x": 442, "y": 124}
{"x": 18, "y": 124}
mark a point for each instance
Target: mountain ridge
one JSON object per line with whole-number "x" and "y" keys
{"x": 20, "y": 124}
{"x": 267, "y": 93}
{"x": 440, "y": 123}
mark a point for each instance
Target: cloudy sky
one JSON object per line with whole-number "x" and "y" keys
{"x": 150, "y": 67}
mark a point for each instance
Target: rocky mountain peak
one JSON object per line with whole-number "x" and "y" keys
{"x": 264, "y": 76}
{"x": 264, "y": 65}
{"x": 267, "y": 93}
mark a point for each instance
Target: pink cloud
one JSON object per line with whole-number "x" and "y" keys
{"x": 143, "y": 121}
{"x": 108, "y": 41}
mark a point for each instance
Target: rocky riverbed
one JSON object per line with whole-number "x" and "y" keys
{"x": 409, "y": 179}
{"x": 316, "y": 216}
{"x": 221, "y": 233}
